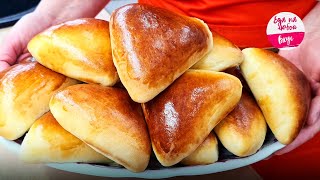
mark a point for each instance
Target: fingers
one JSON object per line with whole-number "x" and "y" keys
{"x": 17, "y": 39}
{"x": 10, "y": 49}
{"x": 3, "y": 65}
{"x": 7, "y": 55}
{"x": 11, "y": 52}
{"x": 311, "y": 129}
{"x": 23, "y": 57}
{"x": 292, "y": 56}
{"x": 314, "y": 111}
{"x": 6, "y": 60}
{"x": 306, "y": 134}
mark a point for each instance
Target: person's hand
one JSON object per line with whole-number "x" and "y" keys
{"x": 14, "y": 47}
{"x": 48, "y": 13}
{"x": 307, "y": 59}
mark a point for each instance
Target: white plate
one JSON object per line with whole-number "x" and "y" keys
{"x": 226, "y": 162}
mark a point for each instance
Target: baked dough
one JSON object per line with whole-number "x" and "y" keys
{"x": 206, "y": 153}
{"x": 182, "y": 116}
{"x": 223, "y": 55}
{"x": 244, "y": 130}
{"x": 79, "y": 49}
{"x": 281, "y": 90}
{"x": 25, "y": 91}
{"x": 107, "y": 120}
{"x": 48, "y": 142}
{"x": 152, "y": 47}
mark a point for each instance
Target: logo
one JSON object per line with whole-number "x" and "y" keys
{"x": 285, "y": 30}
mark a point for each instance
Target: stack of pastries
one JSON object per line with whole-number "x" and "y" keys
{"x": 147, "y": 82}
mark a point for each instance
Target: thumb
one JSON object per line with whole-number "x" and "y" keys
{"x": 3, "y": 65}
{"x": 8, "y": 53}
{"x": 314, "y": 112}
{"x": 305, "y": 134}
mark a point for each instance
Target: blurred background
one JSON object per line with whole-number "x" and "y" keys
{"x": 12, "y": 10}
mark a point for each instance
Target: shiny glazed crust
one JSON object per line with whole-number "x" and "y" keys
{"x": 47, "y": 142}
{"x": 181, "y": 117}
{"x": 223, "y": 55}
{"x": 206, "y": 153}
{"x": 79, "y": 49}
{"x": 243, "y": 131}
{"x": 25, "y": 91}
{"x": 152, "y": 47}
{"x": 107, "y": 120}
{"x": 281, "y": 90}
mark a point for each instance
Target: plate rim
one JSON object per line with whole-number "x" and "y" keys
{"x": 96, "y": 170}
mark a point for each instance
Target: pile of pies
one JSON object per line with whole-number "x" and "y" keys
{"x": 147, "y": 82}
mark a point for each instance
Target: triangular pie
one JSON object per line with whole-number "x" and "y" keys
{"x": 206, "y": 153}
{"x": 47, "y": 141}
{"x": 244, "y": 130}
{"x": 281, "y": 90}
{"x": 181, "y": 117}
{"x": 79, "y": 49}
{"x": 107, "y": 120}
{"x": 152, "y": 47}
{"x": 223, "y": 55}
{"x": 25, "y": 92}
